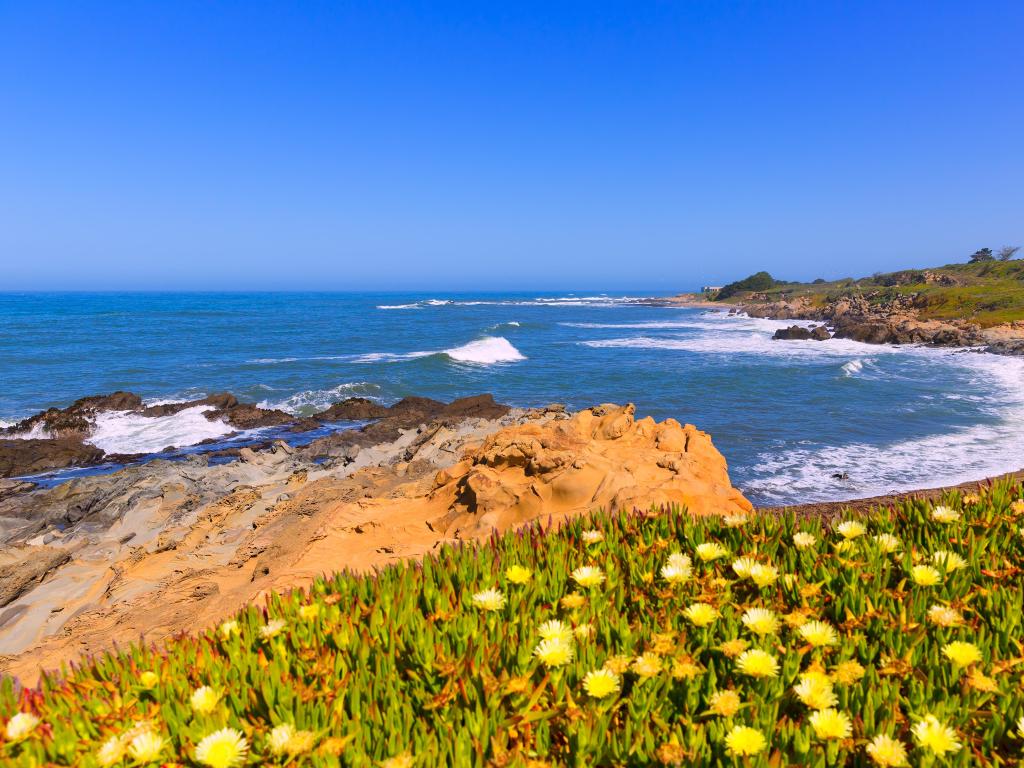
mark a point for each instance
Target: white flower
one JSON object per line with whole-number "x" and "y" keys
{"x": 489, "y": 600}
{"x": 592, "y": 537}
{"x": 804, "y": 540}
{"x": 678, "y": 568}
{"x": 21, "y": 725}
{"x": 945, "y": 515}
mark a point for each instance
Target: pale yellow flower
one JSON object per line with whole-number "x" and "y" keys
{"x": 735, "y": 521}
{"x": 945, "y": 515}
{"x": 573, "y": 600}
{"x": 228, "y": 628}
{"x": 592, "y": 537}
{"x": 962, "y": 654}
{"x": 764, "y": 575}
{"x": 743, "y": 566}
{"x": 831, "y": 724}
{"x": 934, "y": 736}
{"x": 701, "y": 614}
{"x": 710, "y": 550}
{"x": 925, "y": 575}
{"x": 743, "y": 740}
{"x": 555, "y": 630}
{"x": 554, "y": 652}
{"x": 517, "y": 574}
{"x": 285, "y": 740}
{"x": 725, "y": 703}
{"x": 647, "y": 665}
{"x": 815, "y": 690}
{"x": 819, "y": 633}
{"x": 760, "y": 621}
{"x": 601, "y": 682}
{"x": 757, "y": 663}
{"x": 678, "y": 568}
{"x": 618, "y": 664}
{"x": 685, "y": 669}
{"x": 951, "y": 561}
{"x": 851, "y": 529}
{"x": 272, "y": 628}
{"x": 225, "y": 748}
{"x": 489, "y": 600}
{"x": 887, "y": 752}
{"x": 944, "y": 616}
{"x": 21, "y": 725}
{"x": 588, "y": 576}
{"x": 204, "y": 700}
{"x": 804, "y": 540}
{"x": 888, "y": 543}
{"x": 111, "y": 752}
{"x": 146, "y": 747}
{"x": 309, "y": 612}
{"x": 398, "y": 761}
{"x": 733, "y": 648}
{"x": 848, "y": 672}
{"x": 583, "y": 631}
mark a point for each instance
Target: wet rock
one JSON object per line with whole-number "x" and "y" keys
{"x": 30, "y": 456}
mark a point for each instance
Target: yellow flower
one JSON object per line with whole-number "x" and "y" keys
{"x": 111, "y": 752}
{"x": 204, "y": 700}
{"x": 925, "y": 575}
{"x": 815, "y": 690}
{"x": 225, "y": 748}
{"x": 735, "y": 521}
{"x": 851, "y": 529}
{"x": 945, "y": 515}
{"x": 961, "y": 654}
{"x": 1017, "y": 508}
{"x": 733, "y": 648}
{"x": 742, "y": 740}
{"x": 618, "y": 664}
{"x": 887, "y": 752}
{"x": 757, "y": 663}
{"x": 272, "y": 628}
{"x": 844, "y": 546}
{"x": 21, "y": 725}
{"x": 848, "y": 672}
{"x": 804, "y": 540}
{"x": 819, "y": 633}
{"x": 725, "y": 703}
{"x": 932, "y": 735}
{"x": 831, "y": 724}
{"x": 489, "y": 600}
{"x": 888, "y": 544}
{"x": 517, "y": 574}
{"x": 742, "y": 566}
{"x": 279, "y": 737}
{"x": 600, "y": 683}
{"x": 592, "y": 537}
{"x": 573, "y": 600}
{"x": 146, "y": 747}
{"x": 981, "y": 682}
{"x": 944, "y": 616}
{"x": 678, "y": 568}
{"x": 588, "y": 576}
{"x": 701, "y": 614}
{"x": 309, "y": 612}
{"x": 554, "y": 652}
{"x": 951, "y": 561}
{"x": 764, "y": 575}
{"x": 972, "y": 498}
{"x": 685, "y": 669}
{"x": 228, "y": 628}
{"x": 148, "y": 679}
{"x": 398, "y": 761}
{"x": 647, "y": 665}
{"x": 711, "y": 550}
{"x": 761, "y": 621}
{"x": 583, "y": 631}
{"x": 555, "y": 630}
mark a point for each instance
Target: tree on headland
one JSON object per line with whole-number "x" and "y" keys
{"x": 759, "y": 281}
{"x": 1007, "y": 252}
{"x": 982, "y": 254}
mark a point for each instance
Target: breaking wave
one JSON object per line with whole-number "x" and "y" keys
{"x": 125, "y": 432}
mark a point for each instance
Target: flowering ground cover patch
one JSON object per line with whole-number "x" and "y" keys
{"x": 635, "y": 640}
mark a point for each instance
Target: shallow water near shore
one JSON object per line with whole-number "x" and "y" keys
{"x": 787, "y": 415}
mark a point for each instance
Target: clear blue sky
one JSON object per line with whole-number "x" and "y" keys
{"x": 498, "y": 145}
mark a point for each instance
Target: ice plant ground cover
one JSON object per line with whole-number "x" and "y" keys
{"x": 616, "y": 640}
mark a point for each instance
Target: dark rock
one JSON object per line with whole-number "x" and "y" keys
{"x": 793, "y": 333}
{"x": 820, "y": 333}
{"x": 32, "y": 456}
{"x": 352, "y": 409}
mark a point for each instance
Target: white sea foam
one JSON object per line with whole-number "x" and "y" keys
{"x": 399, "y": 306}
{"x": 853, "y": 367}
{"x": 389, "y": 357}
{"x": 313, "y": 400}
{"x": 957, "y": 456}
{"x": 543, "y": 301}
{"x": 126, "y": 432}
{"x": 37, "y": 432}
{"x": 486, "y": 351}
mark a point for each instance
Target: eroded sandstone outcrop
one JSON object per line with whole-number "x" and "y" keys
{"x": 168, "y": 546}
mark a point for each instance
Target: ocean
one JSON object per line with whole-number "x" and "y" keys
{"x": 787, "y": 415}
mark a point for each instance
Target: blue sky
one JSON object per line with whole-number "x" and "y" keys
{"x": 502, "y": 145}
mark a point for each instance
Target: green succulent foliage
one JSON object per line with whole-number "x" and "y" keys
{"x": 404, "y": 668}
